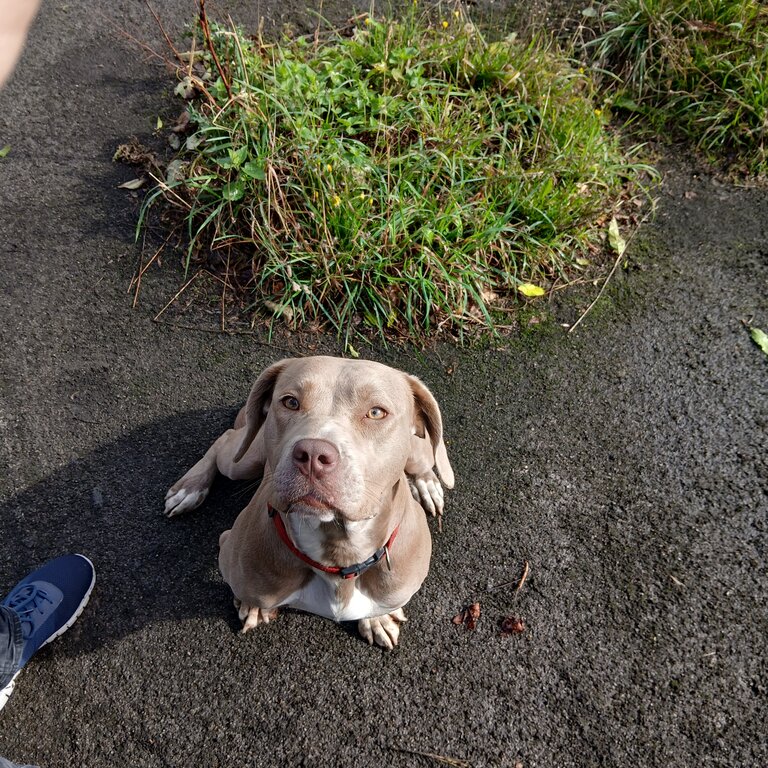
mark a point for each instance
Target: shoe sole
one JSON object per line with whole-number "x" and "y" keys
{"x": 5, "y": 694}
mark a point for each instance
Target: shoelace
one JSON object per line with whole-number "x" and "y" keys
{"x": 25, "y": 603}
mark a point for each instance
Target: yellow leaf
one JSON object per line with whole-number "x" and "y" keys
{"x": 530, "y": 290}
{"x": 615, "y": 239}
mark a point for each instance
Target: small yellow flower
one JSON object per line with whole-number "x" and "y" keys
{"x": 336, "y": 201}
{"x": 329, "y": 168}
{"x": 581, "y": 70}
{"x": 368, "y": 20}
{"x": 598, "y": 111}
{"x": 456, "y": 14}
{"x": 362, "y": 195}
{"x": 445, "y": 25}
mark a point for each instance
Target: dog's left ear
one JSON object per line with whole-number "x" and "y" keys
{"x": 257, "y": 405}
{"x": 428, "y": 424}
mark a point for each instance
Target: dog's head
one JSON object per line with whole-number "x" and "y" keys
{"x": 337, "y": 433}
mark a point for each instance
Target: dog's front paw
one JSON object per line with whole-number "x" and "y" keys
{"x": 382, "y": 630}
{"x": 187, "y": 494}
{"x": 428, "y": 491}
{"x": 252, "y": 615}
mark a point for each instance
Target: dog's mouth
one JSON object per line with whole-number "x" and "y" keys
{"x": 313, "y": 505}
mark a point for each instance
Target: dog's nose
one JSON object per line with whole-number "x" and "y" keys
{"x": 315, "y": 458}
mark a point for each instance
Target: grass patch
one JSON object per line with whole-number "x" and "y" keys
{"x": 397, "y": 178}
{"x": 699, "y": 67}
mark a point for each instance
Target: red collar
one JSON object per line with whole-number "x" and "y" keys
{"x": 348, "y": 571}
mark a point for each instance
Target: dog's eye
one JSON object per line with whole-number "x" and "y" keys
{"x": 290, "y": 402}
{"x": 377, "y": 414}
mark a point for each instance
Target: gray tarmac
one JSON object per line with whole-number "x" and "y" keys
{"x": 625, "y": 463}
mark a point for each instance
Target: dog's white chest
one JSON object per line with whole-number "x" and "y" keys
{"x": 321, "y": 596}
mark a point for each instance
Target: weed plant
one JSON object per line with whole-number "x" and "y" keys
{"x": 696, "y": 66}
{"x": 402, "y": 177}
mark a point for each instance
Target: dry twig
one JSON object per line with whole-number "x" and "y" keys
{"x": 209, "y": 42}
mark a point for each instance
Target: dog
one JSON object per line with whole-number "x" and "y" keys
{"x": 347, "y": 452}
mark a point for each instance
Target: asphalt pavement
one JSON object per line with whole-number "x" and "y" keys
{"x": 625, "y": 463}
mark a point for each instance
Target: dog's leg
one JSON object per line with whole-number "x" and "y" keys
{"x": 190, "y": 491}
{"x": 425, "y": 486}
{"x": 382, "y": 630}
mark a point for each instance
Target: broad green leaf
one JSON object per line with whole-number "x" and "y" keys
{"x": 254, "y": 170}
{"x": 760, "y": 338}
{"x": 5, "y": 150}
{"x": 237, "y": 156}
{"x": 530, "y": 290}
{"x": 615, "y": 239}
{"x": 233, "y": 191}
{"x": 624, "y": 102}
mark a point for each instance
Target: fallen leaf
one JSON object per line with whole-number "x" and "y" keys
{"x": 352, "y": 351}
{"x": 186, "y": 88}
{"x": 175, "y": 171}
{"x": 760, "y": 338}
{"x": 469, "y": 616}
{"x": 194, "y": 141}
{"x": 582, "y": 262}
{"x": 132, "y": 184}
{"x": 615, "y": 239}
{"x": 159, "y": 123}
{"x": 530, "y": 290}
{"x": 182, "y": 122}
{"x": 473, "y": 614}
{"x": 512, "y": 625}
{"x": 280, "y": 309}
{"x": 5, "y": 150}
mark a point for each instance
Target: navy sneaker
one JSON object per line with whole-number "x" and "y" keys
{"x": 48, "y": 602}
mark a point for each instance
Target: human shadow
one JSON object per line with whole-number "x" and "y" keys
{"x": 108, "y": 505}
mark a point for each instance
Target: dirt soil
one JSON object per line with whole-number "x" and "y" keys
{"x": 626, "y": 463}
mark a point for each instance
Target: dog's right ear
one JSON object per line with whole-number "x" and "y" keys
{"x": 258, "y": 404}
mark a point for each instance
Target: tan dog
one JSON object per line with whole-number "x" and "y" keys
{"x": 333, "y": 528}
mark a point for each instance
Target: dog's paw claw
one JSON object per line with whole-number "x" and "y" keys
{"x": 428, "y": 491}
{"x": 253, "y": 616}
{"x": 183, "y": 500}
{"x": 382, "y": 630}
